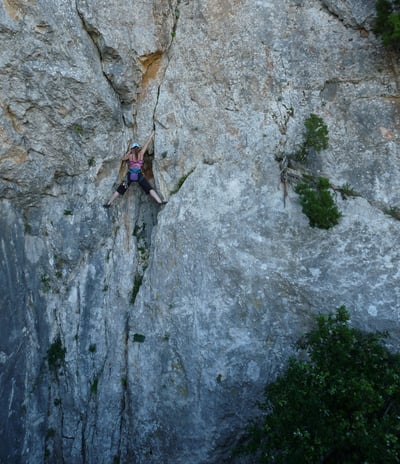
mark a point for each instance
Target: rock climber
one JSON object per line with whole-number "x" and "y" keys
{"x": 134, "y": 159}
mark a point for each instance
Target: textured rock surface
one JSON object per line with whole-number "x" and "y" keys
{"x": 174, "y": 319}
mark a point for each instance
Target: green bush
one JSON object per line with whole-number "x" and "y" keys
{"x": 139, "y": 338}
{"x": 340, "y": 405}
{"x": 318, "y": 204}
{"x": 388, "y": 22}
{"x": 56, "y": 354}
{"x": 45, "y": 282}
{"x": 315, "y": 137}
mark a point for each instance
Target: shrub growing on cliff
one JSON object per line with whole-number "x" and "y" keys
{"x": 315, "y": 137}
{"x": 56, "y": 354}
{"x": 388, "y": 22}
{"x": 341, "y": 405}
{"x": 318, "y": 204}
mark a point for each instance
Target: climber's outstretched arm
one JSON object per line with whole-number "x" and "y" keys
{"x": 126, "y": 156}
{"x": 145, "y": 146}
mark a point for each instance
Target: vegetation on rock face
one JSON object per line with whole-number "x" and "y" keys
{"x": 138, "y": 338}
{"x": 340, "y": 405}
{"x": 181, "y": 181}
{"x": 393, "y": 211}
{"x": 56, "y": 354}
{"x": 318, "y": 204}
{"x": 315, "y": 137}
{"x": 136, "y": 287}
{"x": 315, "y": 197}
{"x": 347, "y": 191}
{"x": 388, "y": 22}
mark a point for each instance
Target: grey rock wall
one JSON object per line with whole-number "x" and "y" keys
{"x": 173, "y": 319}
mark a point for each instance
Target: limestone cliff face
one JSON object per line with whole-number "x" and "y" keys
{"x": 145, "y": 335}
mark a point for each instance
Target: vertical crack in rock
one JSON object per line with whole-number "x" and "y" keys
{"x": 83, "y": 438}
{"x": 124, "y": 396}
{"x": 176, "y": 17}
{"x": 176, "y": 14}
{"x": 142, "y": 233}
{"x": 153, "y": 66}
{"x": 103, "y": 51}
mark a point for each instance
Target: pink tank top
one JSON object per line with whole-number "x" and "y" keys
{"x": 135, "y": 164}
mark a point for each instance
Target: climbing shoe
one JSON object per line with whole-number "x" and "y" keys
{"x": 107, "y": 205}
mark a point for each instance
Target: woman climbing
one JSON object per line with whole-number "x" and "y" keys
{"x": 134, "y": 158}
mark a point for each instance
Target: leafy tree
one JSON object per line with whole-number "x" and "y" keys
{"x": 318, "y": 204}
{"x": 341, "y": 405}
{"x": 388, "y": 22}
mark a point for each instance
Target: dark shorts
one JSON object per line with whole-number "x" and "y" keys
{"x": 142, "y": 181}
{"x": 144, "y": 184}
